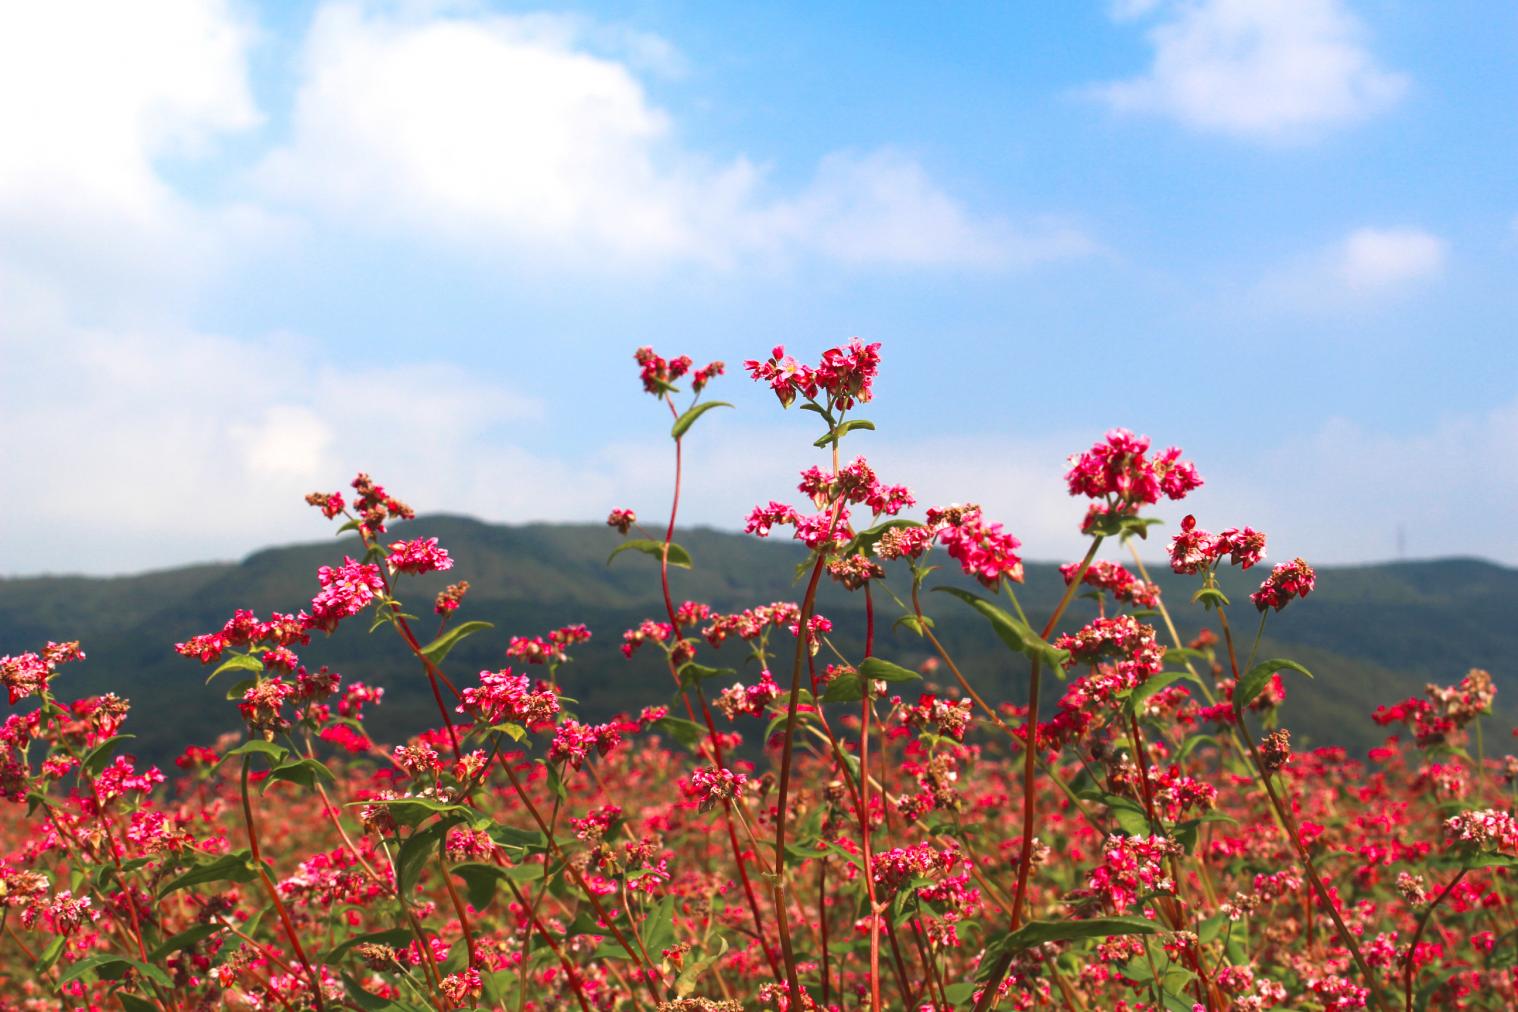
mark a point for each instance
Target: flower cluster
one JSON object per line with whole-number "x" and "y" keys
{"x": 843, "y": 377}
{"x": 1286, "y": 581}
{"x": 1119, "y": 470}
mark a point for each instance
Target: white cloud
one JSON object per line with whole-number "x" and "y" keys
{"x": 1259, "y": 69}
{"x": 510, "y": 133}
{"x": 1371, "y": 259}
{"x": 1369, "y": 266}
{"x": 93, "y": 97}
{"x": 139, "y": 448}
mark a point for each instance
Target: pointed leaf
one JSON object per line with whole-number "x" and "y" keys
{"x": 439, "y": 648}
{"x": 1259, "y": 676}
{"x": 685, "y": 421}
{"x": 677, "y": 555}
{"x": 1014, "y": 632}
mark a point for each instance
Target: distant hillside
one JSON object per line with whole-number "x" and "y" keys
{"x": 1371, "y": 634}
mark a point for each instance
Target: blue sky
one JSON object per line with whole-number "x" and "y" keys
{"x": 247, "y": 249}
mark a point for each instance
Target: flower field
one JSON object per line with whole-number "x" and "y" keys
{"x": 809, "y": 829}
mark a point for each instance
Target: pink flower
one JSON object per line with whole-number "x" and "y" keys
{"x": 658, "y": 375}
{"x": 714, "y": 785}
{"x": 845, "y": 375}
{"x": 420, "y": 556}
{"x": 1119, "y": 470}
{"x": 346, "y": 591}
{"x": 502, "y": 696}
{"x": 1288, "y": 580}
{"x": 1244, "y": 548}
{"x": 621, "y": 519}
{"x": 982, "y": 549}
{"x": 1193, "y": 549}
{"x": 762, "y": 518}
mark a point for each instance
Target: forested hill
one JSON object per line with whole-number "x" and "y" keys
{"x": 1370, "y": 634}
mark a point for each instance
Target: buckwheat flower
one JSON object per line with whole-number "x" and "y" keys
{"x": 1414, "y": 889}
{"x": 706, "y": 374}
{"x": 1275, "y": 750}
{"x": 449, "y": 598}
{"x": 261, "y": 707}
{"x": 122, "y": 776}
{"x": 1286, "y": 581}
{"x": 330, "y": 503}
{"x": 346, "y": 590}
{"x": 621, "y": 519}
{"x": 1193, "y": 549}
{"x": 823, "y": 530}
{"x": 1118, "y": 469}
{"x": 855, "y": 571}
{"x": 24, "y": 675}
{"x": 714, "y": 785}
{"x": 657, "y": 374}
{"x": 417, "y": 760}
{"x": 419, "y": 556}
{"x": 647, "y": 630}
{"x": 904, "y": 542}
{"x": 502, "y": 696}
{"x": 749, "y": 700}
{"x": 763, "y": 518}
{"x": 457, "y": 987}
{"x": 1244, "y": 548}
{"x": 982, "y": 549}
{"x": 206, "y": 647}
{"x": 1486, "y": 830}
{"x": 1132, "y": 866}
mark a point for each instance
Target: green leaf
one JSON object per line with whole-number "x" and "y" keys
{"x": 845, "y": 687}
{"x": 686, "y": 732}
{"x": 1038, "y": 932}
{"x": 514, "y": 731}
{"x": 1014, "y": 632}
{"x": 686, "y": 982}
{"x": 480, "y": 879}
{"x": 413, "y": 855}
{"x": 113, "y": 968}
{"x": 693, "y": 674}
{"x": 410, "y": 811}
{"x": 1259, "y": 676}
{"x": 1210, "y": 598}
{"x": 301, "y": 771}
{"x": 659, "y": 926}
{"x": 844, "y": 429}
{"x": 257, "y": 746}
{"x": 1185, "y": 833}
{"x": 237, "y": 866}
{"x": 96, "y": 758}
{"x": 439, "y": 648}
{"x": 913, "y": 623}
{"x": 884, "y": 671}
{"x": 677, "y": 555}
{"x": 184, "y": 940}
{"x": 685, "y": 421}
{"x": 237, "y": 662}
{"x": 134, "y": 1003}
{"x": 50, "y": 954}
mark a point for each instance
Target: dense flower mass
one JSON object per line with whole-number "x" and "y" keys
{"x": 795, "y": 811}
